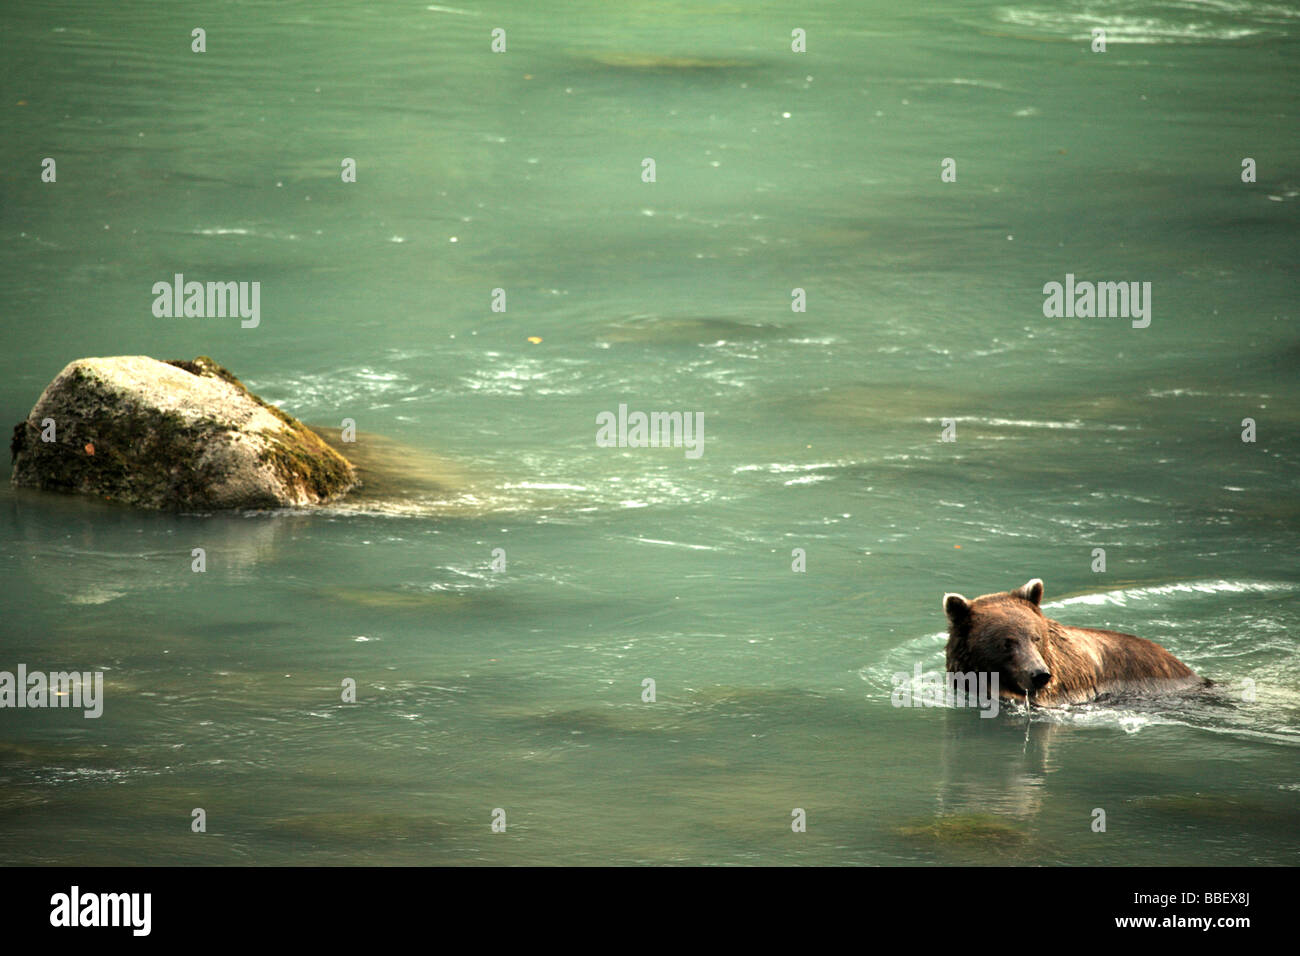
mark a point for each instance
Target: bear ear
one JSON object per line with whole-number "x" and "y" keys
{"x": 956, "y": 607}
{"x": 1032, "y": 591}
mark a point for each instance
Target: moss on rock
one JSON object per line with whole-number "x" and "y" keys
{"x": 298, "y": 455}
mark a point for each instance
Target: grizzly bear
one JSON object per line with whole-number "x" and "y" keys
{"x": 1054, "y": 663}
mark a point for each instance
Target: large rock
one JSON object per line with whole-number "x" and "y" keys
{"x": 175, "y": 435}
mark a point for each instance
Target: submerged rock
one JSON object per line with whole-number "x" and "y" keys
{"x": 176, "y": 435}
{"x": 391, "y": 470}
{"x": 664, "y": 63}
{"x": 965, "y": 828}
{"x": 699, "y": 330}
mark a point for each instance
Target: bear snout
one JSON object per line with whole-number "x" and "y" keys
{"x": 1040, "y": 678}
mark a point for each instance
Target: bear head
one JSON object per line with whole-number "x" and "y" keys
{"x": 1004, "y": 633}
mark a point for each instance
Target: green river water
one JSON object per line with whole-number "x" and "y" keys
{"x": 522, "y": 688}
